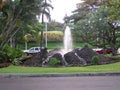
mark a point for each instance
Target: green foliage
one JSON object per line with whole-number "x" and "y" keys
{"x": 9, "y": 54}
{"x": 13, "y": 53}
{"x": 54, "y": 62}
{"x": 114, "y": 9}
{"x": 94, "y": 25}
{"x": 3, "y": 57}
{"x": 15, "y": 17}
{"x": 95, "y": 60}
{"x": 55, "y": 26}
{"x": 16, "y": 61}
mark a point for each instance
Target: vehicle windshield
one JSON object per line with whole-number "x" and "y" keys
{"x": 32, "y": 49}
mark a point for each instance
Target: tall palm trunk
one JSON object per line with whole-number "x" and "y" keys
{"x": 41, "y": 38}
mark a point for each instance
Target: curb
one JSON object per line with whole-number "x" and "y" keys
{"x": 59, "y": 75}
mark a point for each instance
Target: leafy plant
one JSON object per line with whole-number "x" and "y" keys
{"x": 16, "y": 61}
{"x": 8, "y": 54}
{"x": 3, "y": 57}
{"x": 95, "y": 60}
{"x": 54, "y": 62}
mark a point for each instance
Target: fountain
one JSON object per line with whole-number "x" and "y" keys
{"x": 68, "y": 45}
{"x": 67, "y": 55}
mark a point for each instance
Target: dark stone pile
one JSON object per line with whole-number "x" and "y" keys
{"x": 87, "y": 53}
{"x": 73, "y": 59}
{"x": 36, "y": 59}
{"x": 76, "y": 57}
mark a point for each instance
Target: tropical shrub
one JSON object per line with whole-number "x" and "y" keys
{"x": 9, "y": 54}
{"x": 3, "y": 57}
{"x": 54, "y": 62}
{"x": 95, "y": 60}
{"x": 16, "y": 61}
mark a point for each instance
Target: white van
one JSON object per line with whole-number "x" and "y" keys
{"x": 33, "y": 50}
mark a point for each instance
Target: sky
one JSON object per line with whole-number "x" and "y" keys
{"x": 61, "y": 8}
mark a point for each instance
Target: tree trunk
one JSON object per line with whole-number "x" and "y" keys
{"x": 25, "y": 45}
{"x": 11, "y": 42}
{"x": 104, "y": 47}
{"x": 41, "y": 39}
{"x": 114, "y": 49}
{"x": 9, "y": 29}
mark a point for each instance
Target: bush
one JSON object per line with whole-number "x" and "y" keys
{"x": 9, "y": 54}
{"x": 54, "y": 62}
{"x": 95, "y": 60}
{"x": 3, "y": 57}
{"x": 16, "y": 61}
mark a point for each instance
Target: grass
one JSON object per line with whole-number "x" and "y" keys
{"x": 79, "y": 45}
{"x": 52, "y": 45}
{"x": 115, "y": 67}
{"x": 56, "y": 32}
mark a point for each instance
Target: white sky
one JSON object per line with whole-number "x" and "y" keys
{"x": 61, "y": 8}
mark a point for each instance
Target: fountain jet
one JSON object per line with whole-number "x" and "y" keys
{"x": 68, "y": 44}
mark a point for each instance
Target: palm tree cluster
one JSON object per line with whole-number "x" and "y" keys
{"x": 18, "y": 22}
{"x": 16, "y": 15}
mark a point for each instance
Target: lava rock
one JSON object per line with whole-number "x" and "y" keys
{"x": 36, "y": 59}
{"x": 87, "y": 53}
{"x": 72, "y": 59}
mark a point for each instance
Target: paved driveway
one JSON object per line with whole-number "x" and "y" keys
{"x": 61, "y": 83}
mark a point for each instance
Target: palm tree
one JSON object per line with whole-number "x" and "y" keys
{"x": 15, "y": 14}
{"x": 45, "y": 12}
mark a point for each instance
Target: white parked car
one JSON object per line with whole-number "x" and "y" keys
{"x": 32, "y": 50}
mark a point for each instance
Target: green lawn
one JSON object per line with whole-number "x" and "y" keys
{"x": 52, "y": 45}
{"x": 79, "y": 45}
{"x": 56, "y": 32}
{"x": 60, "y": 45}
{"x": 115, "y": 67}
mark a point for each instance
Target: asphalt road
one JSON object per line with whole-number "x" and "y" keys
{"x": 61, "y": 83}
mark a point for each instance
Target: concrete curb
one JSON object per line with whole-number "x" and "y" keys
{"x": 59, "y": 75}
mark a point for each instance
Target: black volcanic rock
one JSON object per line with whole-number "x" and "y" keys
{"x": 73, "y": 60}
{"x": 35, "y": 59}
{"x": 87, "y": 53}
{"x": 77, "y": 57}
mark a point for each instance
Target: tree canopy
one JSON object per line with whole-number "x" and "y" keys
{"x": 98, "y": 22}
{"x": 19, "y": 15}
